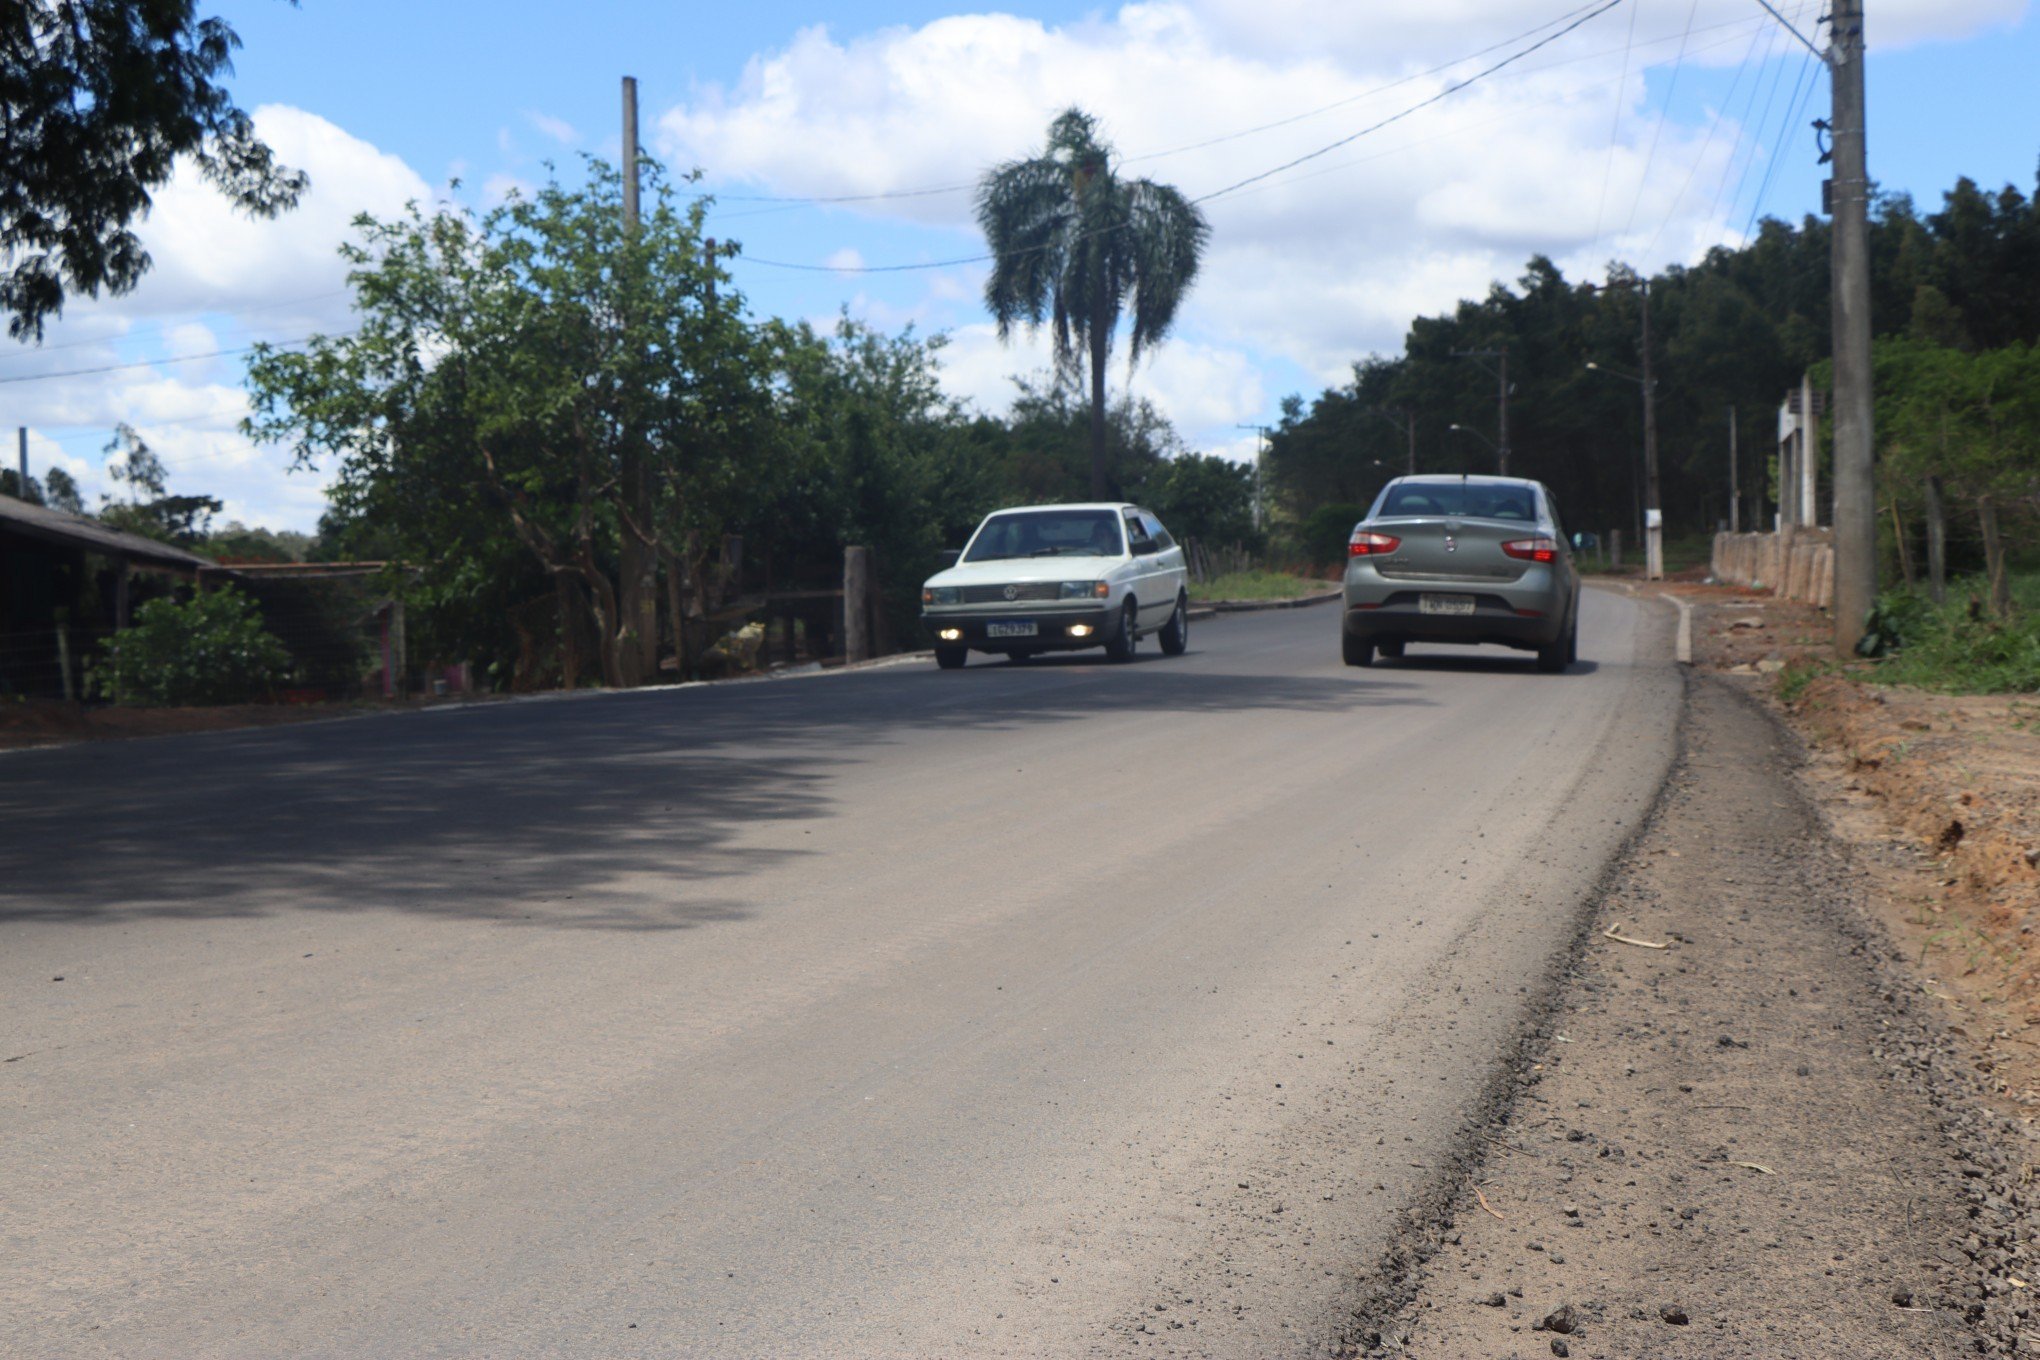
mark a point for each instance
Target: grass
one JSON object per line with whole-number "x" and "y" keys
{"x": 1954, "y": 648}
{"x": 1256, "y": 585}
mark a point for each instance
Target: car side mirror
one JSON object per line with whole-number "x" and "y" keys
{"x": 948, "y": 557}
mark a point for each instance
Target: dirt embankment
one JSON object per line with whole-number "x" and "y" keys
{"x": 1804, "y": 1125}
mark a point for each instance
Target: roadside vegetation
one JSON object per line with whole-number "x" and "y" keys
{"x": 1257, "y": 585}
{"x": 1961, "y": 646}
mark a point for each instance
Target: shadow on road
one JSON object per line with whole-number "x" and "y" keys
{"x": 606, "y": 812}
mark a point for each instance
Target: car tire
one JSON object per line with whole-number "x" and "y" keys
{"x": 1552, "y": 658}
{"x": 951, "y": 658}
{"x": 1119, "y": 647}
{"x": 1175, "y": 633}
{"x": 1572, "y": 641}
{"x": 1391, "y": 651}
{"x": 1357, "y": 651}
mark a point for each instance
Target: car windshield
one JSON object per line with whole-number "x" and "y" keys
{"x": 1461, "y": 500}
{"x": 1047, "y": 533}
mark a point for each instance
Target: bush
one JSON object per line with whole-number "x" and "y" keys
{"x": 1325, "y": 532}
{"x": 211, "y": 649}
{"x": 1956, "y": 648}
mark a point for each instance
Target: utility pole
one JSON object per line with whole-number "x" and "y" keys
{"x": 1855, "y": 537}
{"x": 1653, "y": 504}
{"x": 1501, "y": 372}
{"x": 22, "y": 489}
{"x": 1407, "y": 423}
{"x": 1734, "y": 491}
{"x": 1260, "y": 452}
{"x": 638, "y": 559}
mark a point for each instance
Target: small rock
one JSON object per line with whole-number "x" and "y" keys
{"x": 1674, "y": 1314}
{"x": 1770, "y": 665}
{"x": 1805, "y": 1071}
{"x": 1562, "y": 1320}
{"x": 1558, "y": 1347}
{"x": 1902, "y": 1297}
{"x": 1557, "y": 1259}
{"x": 1494, "y": 1301}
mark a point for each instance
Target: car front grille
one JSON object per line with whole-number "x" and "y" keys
{"x": 1032, "y": 591}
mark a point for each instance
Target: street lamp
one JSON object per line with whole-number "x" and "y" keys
{"x": 1653, "y": 511}
{"x": 1468, "y": 429}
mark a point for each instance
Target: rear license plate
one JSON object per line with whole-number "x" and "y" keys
{"x": 1444, "y": 604}
{"x": 1027, "y": 629}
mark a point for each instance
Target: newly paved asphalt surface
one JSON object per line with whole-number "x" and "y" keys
{"x": 1047, "y": 1010}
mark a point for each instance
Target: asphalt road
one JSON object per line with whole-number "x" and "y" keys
{"x": 1045, "y": 1010}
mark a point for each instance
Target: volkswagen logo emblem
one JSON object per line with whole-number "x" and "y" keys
{"x": 1012, "y": 592}
{"x": 1451, "y": 543}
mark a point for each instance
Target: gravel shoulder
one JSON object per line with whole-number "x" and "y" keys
{"x": 1758, "y": 1140}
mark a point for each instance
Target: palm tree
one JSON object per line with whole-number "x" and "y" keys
{"x": 1073, "y": 242}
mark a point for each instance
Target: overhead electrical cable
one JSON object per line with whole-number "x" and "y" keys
{"x": 1706, "y": 145}
{"x": 173, "y": 359}
{"x": 1576, "y": 16}
{"x": 1801, "y": 90}
{"x": 1443, "y": 94}
{"x": 1664, "y": 114}
{"x": 1744, "y": 126}
{"x": 1615, "y": 129}
{"x": 1778, "y": 69}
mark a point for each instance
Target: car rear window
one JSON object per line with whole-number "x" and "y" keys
{"x": 1047, "y": 533}
{"x": 1462, "y": 500}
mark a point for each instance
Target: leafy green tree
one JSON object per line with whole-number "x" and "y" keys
{"x": 590, "y": 390}
{"x": 61, "y": 492}
{"x": 1075, "y": 244}
{"x": 210, "y": 649}
{"x": 1205, "y": 497}
{"x": 150, "y": 510}
{"x": 102, "y": 98}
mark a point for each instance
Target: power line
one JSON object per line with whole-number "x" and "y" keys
{"x": 1445, "y": 93}
{"x": 1615, "y": 129}
{"x": 1801, "y": 90}
{"x": 174, "y": 359}
{"x": 1693, "y": 171}
{"x": 793, "y": 202}
{"x": 1664, "y": 114}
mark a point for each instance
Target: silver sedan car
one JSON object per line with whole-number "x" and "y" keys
{"x": 1461, "y": 560}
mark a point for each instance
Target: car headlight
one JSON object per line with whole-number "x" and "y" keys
{"x": 941, "y": 595}
{"x": 1085, "y": 590}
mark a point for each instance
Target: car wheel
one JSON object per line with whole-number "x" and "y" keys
{"x": 1357, "y": 651}
{"x": 1572, "y": 641}
{"x": 951, "y": 658}
{"x": 1119, "y": 647}
{"x": 1391, "y": 650}
{"x": 1552, "y": 658}
{"x": 1176, "y": 632}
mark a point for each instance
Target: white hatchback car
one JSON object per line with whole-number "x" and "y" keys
{"x": 1041, "y": 578}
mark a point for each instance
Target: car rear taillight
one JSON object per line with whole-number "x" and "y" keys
{"x": 1371, "y": 545}
{"x": 1532, "y": 549}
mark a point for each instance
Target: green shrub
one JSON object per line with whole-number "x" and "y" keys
{"x": 211, "y": 649}
{"x": 1956, "y": 648}
{"x": 1325, "y": 531}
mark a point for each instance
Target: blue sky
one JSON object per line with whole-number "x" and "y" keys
{"x": 1650, "y": 133}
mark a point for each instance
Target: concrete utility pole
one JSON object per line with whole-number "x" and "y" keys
{"x": 1501, "y": 372}
{"x": 22, "y": 431}
{"x": 1734, "y": 490}
{"x": 1260, "y": 455}
{"x": 1653, "y": 503}
{"x": 639, "y": 560}
{"x": 1855, "y": 539}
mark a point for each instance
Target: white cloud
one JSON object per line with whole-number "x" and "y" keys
{"x": 848, "y": 258}
{"x": 558, "y": 129}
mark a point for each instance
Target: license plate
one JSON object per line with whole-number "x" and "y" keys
{"x": 1444, "y": 604}
{"x": 1025, "y": 629}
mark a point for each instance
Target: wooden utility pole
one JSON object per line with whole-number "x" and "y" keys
{"x": 1855, "y": 539}
{"x": 638, "y": 558}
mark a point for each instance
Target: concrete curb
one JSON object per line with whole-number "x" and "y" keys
{"x": 1254, "y": 606}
